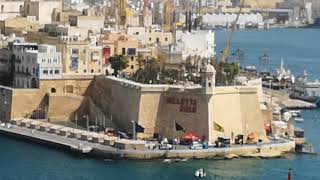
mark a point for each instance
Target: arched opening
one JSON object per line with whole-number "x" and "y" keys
{"x": 69, "y": 89}
{"x": 53, "y": 90}
{"x": 107, "y": 72}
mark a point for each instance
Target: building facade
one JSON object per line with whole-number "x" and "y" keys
{"x": 41, "y": 10}
{"x": 35, "y": 62}
{"x": 80, "y": 57}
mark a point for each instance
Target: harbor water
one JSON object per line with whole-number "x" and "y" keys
{"x": 300, "y": 50}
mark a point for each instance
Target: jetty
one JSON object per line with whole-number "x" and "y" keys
{"x": 110, "y": 147}
{"x": 281, "y": 98}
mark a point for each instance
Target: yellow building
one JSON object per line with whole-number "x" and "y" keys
{"x": 121, "y": 44}
{"x": 80, "y": 57}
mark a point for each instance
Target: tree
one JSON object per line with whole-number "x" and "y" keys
{"x": 140, "y": 60}
{"x": 149, "y": 73}
{"x": 118, "y": 63}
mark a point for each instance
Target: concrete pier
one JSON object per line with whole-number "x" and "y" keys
{"x": 112, "y": 147}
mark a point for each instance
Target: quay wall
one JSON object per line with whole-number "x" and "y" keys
{"x": 265, "y": 150}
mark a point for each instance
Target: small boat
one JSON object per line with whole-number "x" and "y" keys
{"x": 298, "y": 119}
{"x": 200, "y": 173}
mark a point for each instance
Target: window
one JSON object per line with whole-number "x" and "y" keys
{"x": 45, "y": 71}
{"x": 92, "y": 71}
{"x": 166, "y": 39}
{"x": 150, "y": 39}
{"x": 132, "y": 66}
{"x": 2, "y": 8}
{"x": 43, "y": 60}
{"x": 158, "y": 40}
{"x": 56, "y": 71}
{"x": 85, "y": 71}
{"x": 74, "y": 51}
{"x": 51, "y": 71}
{"x": 137, "y": 33}
{"x": 123, "y": 51}
{"x": 55, "y": 60}
{"x": 132, "y": 58}
{"x": 209, "y": 85}
{"x": 131, "y": 51}
{"x": 99, "y": 70}
{"x": 33, "y": 70}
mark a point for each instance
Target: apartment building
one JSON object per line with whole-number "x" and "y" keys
{"x": 34, "y": 62}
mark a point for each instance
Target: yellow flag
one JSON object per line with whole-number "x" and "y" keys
{"x": 217, "y": 127}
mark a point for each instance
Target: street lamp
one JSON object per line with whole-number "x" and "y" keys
{"x": 133, "y": 130}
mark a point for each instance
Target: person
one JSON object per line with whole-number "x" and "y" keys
{"x": 175, "y": 143}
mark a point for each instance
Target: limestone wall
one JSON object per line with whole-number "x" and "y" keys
{"x": 149, "y": 110}
{"x": 225, "y": 110}
{"x": 76, "y": 86}
{"x": 5, "y": 103}
{"x": 25, "y": 101}
{"x": 159, "y": 107}
{"x": 252, "y": 115}
{"x": 117, "y": 100}
{"x": 188, "y": 109}
{"x": 237, "y": 110}
{"x": 62, "y": 106}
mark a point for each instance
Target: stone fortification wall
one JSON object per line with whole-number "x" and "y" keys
{"x": 237, "y": 111}
{"x": 61, "y": 107}
{"x": 116, "y": 99}
{"x": 188, "y": 109}
{"x": 26, "y": 101}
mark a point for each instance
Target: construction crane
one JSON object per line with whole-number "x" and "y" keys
{"x": 233, "y": 28}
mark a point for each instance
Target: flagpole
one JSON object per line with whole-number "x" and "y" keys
{"x": 133, "y": 130}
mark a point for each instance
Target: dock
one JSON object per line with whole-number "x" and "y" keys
{"x": 281, "y": 98}
{"x": 109, "y": 147}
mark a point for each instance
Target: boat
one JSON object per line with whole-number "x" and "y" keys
{"x": 305, "y": 90}
{"x": 295, "y": 113}
{"x": 200, "y": 173}
{"x": 298, "y": 120}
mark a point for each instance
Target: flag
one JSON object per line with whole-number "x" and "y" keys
{"x": 139, "y": 129}
{"x": 217, "y": 127}
{"x": 179, "y": 128}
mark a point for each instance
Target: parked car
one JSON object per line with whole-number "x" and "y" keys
{"x": 165, "y": 145}
{"x": 222, "y": 142}
{"x": 196, "y": 145}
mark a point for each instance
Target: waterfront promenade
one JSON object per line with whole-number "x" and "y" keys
{"x": 109, "y": 151}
